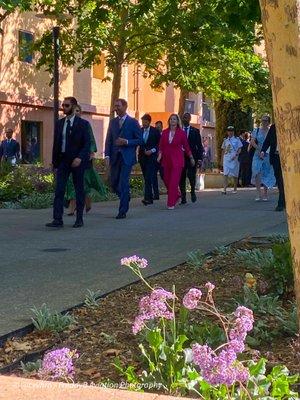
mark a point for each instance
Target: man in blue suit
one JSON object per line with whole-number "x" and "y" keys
{"x": 9, "y": 148}
{"x": 70, "y": 155}
{"x": 123, "y": 136}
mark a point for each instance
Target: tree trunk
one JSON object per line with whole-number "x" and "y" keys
{"x": 116, "y": 87}
{"x": 221, "y": 109}
{"x": 281, "y": 24}
{"x": 184, "y": 94}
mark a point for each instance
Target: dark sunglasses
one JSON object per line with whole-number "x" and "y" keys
{"x": 66, "y": 105}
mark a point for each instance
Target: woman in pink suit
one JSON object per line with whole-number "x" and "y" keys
{"x": 172, "y": 148}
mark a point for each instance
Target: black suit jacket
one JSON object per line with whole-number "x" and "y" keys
{"x": 271, "y": 141}
{"x": 9, "y": 149}
{"x": 152, "y": 143}
{"x": 195, "y": 143}
{"x": 78, "y": 143}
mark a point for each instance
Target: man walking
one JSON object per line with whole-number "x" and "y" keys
{"x": 148, "y": 153}
{"x": 194, "y": 139}
{"x": 9, "y": 148}
{"x": 271, "y": 142}
{"x": 244, "y": 159}
{"x": 123, "y": 136}
{"x": 70, "y": 155}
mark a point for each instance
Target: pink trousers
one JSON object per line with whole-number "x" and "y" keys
{"x": 172, "y": 178}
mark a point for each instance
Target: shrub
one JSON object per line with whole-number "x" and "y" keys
{"x": 46, "y": 321}
{"x": 274, "y": 264}
{"x": 37, "y": 201}
{"x": 196, "y": 258}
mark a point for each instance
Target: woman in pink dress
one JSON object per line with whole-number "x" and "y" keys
{"x": 172, "y": 148}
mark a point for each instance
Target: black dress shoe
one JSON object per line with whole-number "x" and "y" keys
{"x": 156, "y": 198}
{"x": 78, "y": 224}
{"x": 182, "y": 202}
{"x": 121, "y": 216}
{"x": 55, "y": 224}
{"x": 193, "y": 197}
{"x": 147, "y": 202}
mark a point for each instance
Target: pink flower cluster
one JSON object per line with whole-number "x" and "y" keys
{"x": 58, "y": 364}
{"x": 153, "y": 306}
{"x": 134, "y": 261}
{"x": 224, "y": 368}
{"x": 192, "y": 298}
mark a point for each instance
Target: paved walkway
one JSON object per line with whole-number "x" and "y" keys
{"x": 57, "y": 266}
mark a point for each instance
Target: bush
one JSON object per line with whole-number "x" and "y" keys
{"x": 37, "y": 201}
{"x": 21, "y": 181}
{"x": 274, "y": 264}
{"x": 46, "y": 321}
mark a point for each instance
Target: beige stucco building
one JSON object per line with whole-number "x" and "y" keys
{"x": 26, "y": 98}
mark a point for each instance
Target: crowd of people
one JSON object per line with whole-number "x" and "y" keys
{"x": 175, "y": 153}
{"x": 255, "y": 159}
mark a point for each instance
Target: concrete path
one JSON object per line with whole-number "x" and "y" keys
{"x": 40, "y": 265}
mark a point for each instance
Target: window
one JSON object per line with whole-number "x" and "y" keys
{"x": 189, "y": 106}
{"x": 99, "y": 69}
{"x": 25, "y": 47}
{"x": 31, "y": 141}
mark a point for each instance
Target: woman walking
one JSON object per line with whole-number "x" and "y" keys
{"x": 91, "y": 178}
{"x": 173, "y": 145}
{"x": 262, "y": 171}
{"x": 231, "y": 149}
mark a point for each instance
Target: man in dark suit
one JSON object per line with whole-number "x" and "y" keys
{"x": 244, "y": 159}
{"x": 123, "y": 136}
{"x": 9, "y": 148}
{"x": 271, "y": 142}
{"x": 148, "y": 152}
{"x": 194, "y": 139}
{"x": 70, "y": 155}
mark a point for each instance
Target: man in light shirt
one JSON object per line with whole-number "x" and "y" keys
{"x": 123, "y": 136}
{"x": 148, "y": 153}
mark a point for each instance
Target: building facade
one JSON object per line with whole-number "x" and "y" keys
{"x": 26, "y": 97}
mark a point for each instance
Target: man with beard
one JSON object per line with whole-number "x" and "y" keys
{"x": 70, "y": 155}
{"x": 194, "y": 139}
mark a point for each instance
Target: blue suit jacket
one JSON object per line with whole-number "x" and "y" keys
{"x": 78, "y": 142}
{"x": 131, "y": 131}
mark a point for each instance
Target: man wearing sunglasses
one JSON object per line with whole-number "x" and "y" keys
{"x": 70, "y": 155}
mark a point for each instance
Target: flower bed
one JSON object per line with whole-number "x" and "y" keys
{"x": 124, "y": 330}
{"x": 32, "y": 186}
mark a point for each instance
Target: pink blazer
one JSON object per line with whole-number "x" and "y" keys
{"x": 172, "y": 153}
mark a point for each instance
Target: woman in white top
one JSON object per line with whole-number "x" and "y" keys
{"x": 231, "y": 149}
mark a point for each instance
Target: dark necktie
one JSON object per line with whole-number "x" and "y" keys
{"x": 68, "y": 132}
{"x": 186, "y": 130}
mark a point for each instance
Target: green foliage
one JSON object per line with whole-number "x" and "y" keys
{"x": 92, "y": 299}
{"x": 263, "y": 305}
{"x": 44, "y": 320}
{"x": 21, "y": 181}
{"x": 222, "y": 250}
{"x": 281, "y": 276}
{"x": 274, "y": 264}
{"x": 275, "y": 385}
{"x": 196, "y": 258}
{"x": 289, "y": 321}
{"x": 205, "y": 333}
{"x": 29, "y": 367}
{"x": 278, "y": 238}
{"x": 255, "y": 258}
{"x": 37, "y": 201}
